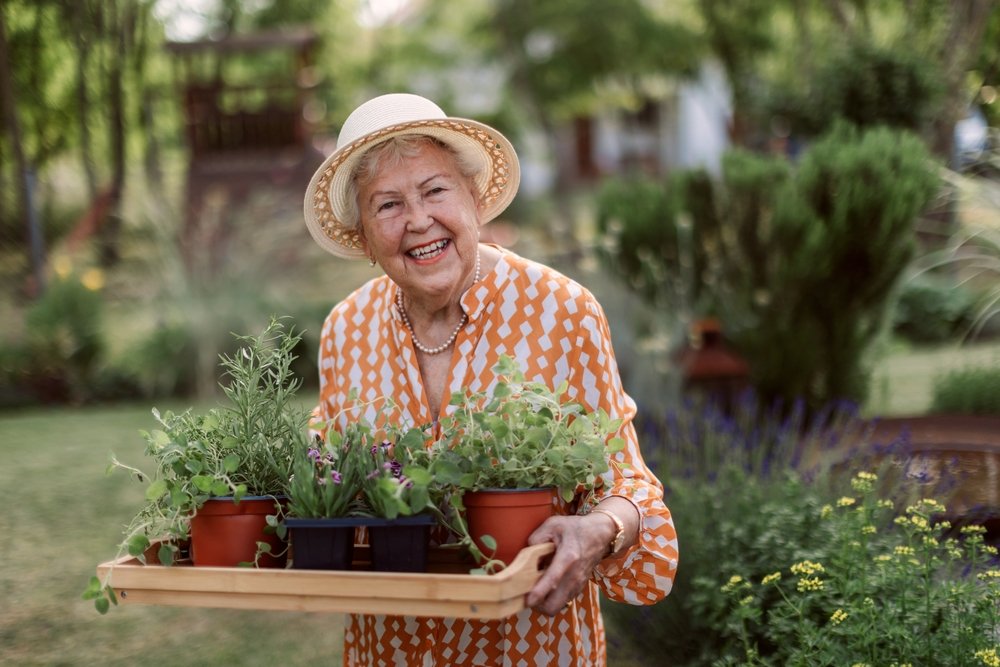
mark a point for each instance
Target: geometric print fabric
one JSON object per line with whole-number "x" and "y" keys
{"x": 556, "y": 331}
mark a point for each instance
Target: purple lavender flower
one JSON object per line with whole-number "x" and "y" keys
{"x": 336, "y": 477}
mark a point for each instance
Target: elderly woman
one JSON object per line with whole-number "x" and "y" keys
{"x": 408, "y": 188}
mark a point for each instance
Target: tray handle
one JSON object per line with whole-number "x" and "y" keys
{"x": 523, "y": 571}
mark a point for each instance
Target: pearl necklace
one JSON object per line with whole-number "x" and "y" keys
{"x": 454, "y": 334}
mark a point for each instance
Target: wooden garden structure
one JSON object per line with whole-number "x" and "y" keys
{"x": 246, "y": 102}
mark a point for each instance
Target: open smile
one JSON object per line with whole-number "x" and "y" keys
{"x": 429, "y": 251}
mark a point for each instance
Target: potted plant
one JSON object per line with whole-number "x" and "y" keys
{"x": 522, "y": 445}
{"x": 221, "y": 476}
{"x": 324, "y": 488}
{"x": 375, "y": 479}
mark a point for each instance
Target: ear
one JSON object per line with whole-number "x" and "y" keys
{"x": 363, "y": 239}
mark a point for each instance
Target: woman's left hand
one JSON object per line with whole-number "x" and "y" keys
{"x": 581, "y": 542}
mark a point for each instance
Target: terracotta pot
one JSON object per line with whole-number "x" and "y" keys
{"x": 225, "y": 534}
{"x": 509, "y": 516}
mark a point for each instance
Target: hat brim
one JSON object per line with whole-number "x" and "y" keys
{"x": 325, "y": 199}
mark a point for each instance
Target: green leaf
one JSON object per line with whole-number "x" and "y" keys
{"x": 489, "y": 542}
{"x": 137, "y": 545}
{"x": 156, "y": 490}
{"x": 202, "y": 483}
{"x": 419, "y": 476}
{"x": 102, "y": 605}
{"x": 231, "y": 463}
{"x": 165, "y": 554}
{"x": 93, "y": 589}
{"x": 220, "y": 488}
{"x": 263, "y": 547}
{"x": 230, "y": 442}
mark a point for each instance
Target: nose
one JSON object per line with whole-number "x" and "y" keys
{"x": 418, "y": 215}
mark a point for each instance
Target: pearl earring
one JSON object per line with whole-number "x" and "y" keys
{"x": 371, "y": 261}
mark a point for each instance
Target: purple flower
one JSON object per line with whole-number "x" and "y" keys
{"x": 336, "y": 477}
{"x": 313, "y": 454}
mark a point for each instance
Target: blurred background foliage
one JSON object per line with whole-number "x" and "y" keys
{"x": 845, "y": 226}
{"x": 98, "y": 139}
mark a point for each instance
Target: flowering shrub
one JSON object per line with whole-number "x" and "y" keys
{"x": 745, "y": 490}
{"x": 890, "y": 588}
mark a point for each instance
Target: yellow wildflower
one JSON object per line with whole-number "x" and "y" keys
{"x": 771, "y": 578}
{"x": 838, "y": 617}
{"x": 864, "y": 482}
{"x": 885, "y": 504}
{"x": 746, "y": 601}
{"x": 735, "y": 581}
{"x": 973, "y": 529}
{"x": 990, "y": 575}
{"x": 988, "y": 656}
{"x": 826, "y": 511}
{"x": 807, "y": 568}
{"x": 846, "y": 501}
{"x": 809, "y": 584}
{"x": 868, "y": 530}
{"x": 904, "y": 551}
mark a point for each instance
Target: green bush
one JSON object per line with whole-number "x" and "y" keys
{"x": 800, "y": 263}
{"x": 162, "y": 362}
{"x": 637, "y": 217}
{"x": 868, "y": 86}
{"x": 932, "y": 310}
{"x": 59, "y": 359}
{"x": 974, "y": 391}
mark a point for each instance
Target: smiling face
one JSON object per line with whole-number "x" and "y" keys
{"x": 420, "y": 220}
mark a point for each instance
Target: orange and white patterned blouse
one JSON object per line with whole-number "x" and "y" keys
{"x": 556, "y": 331}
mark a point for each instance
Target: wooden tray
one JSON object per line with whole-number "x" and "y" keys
{"x": 447, "y": 590}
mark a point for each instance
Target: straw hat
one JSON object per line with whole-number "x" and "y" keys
{"x": 387, "y": 116}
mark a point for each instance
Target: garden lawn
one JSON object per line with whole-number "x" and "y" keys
{"x": 62, "y": 516}
{"x": 903, "y": 380}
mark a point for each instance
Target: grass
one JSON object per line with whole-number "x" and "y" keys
{"x": 63, "y": 516}
{"x": 903, "y": 380}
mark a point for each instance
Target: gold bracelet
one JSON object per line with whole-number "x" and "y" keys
{"x": 618, "y": 541}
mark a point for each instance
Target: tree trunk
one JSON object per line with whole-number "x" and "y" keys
{"x": 968, "y": 20}
{"x": 120, "y": 24}
{"x": 78, "y": 11}
{"x": 22, "y": 168}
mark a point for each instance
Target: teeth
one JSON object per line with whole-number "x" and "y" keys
{"x": 429, "y": 250}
